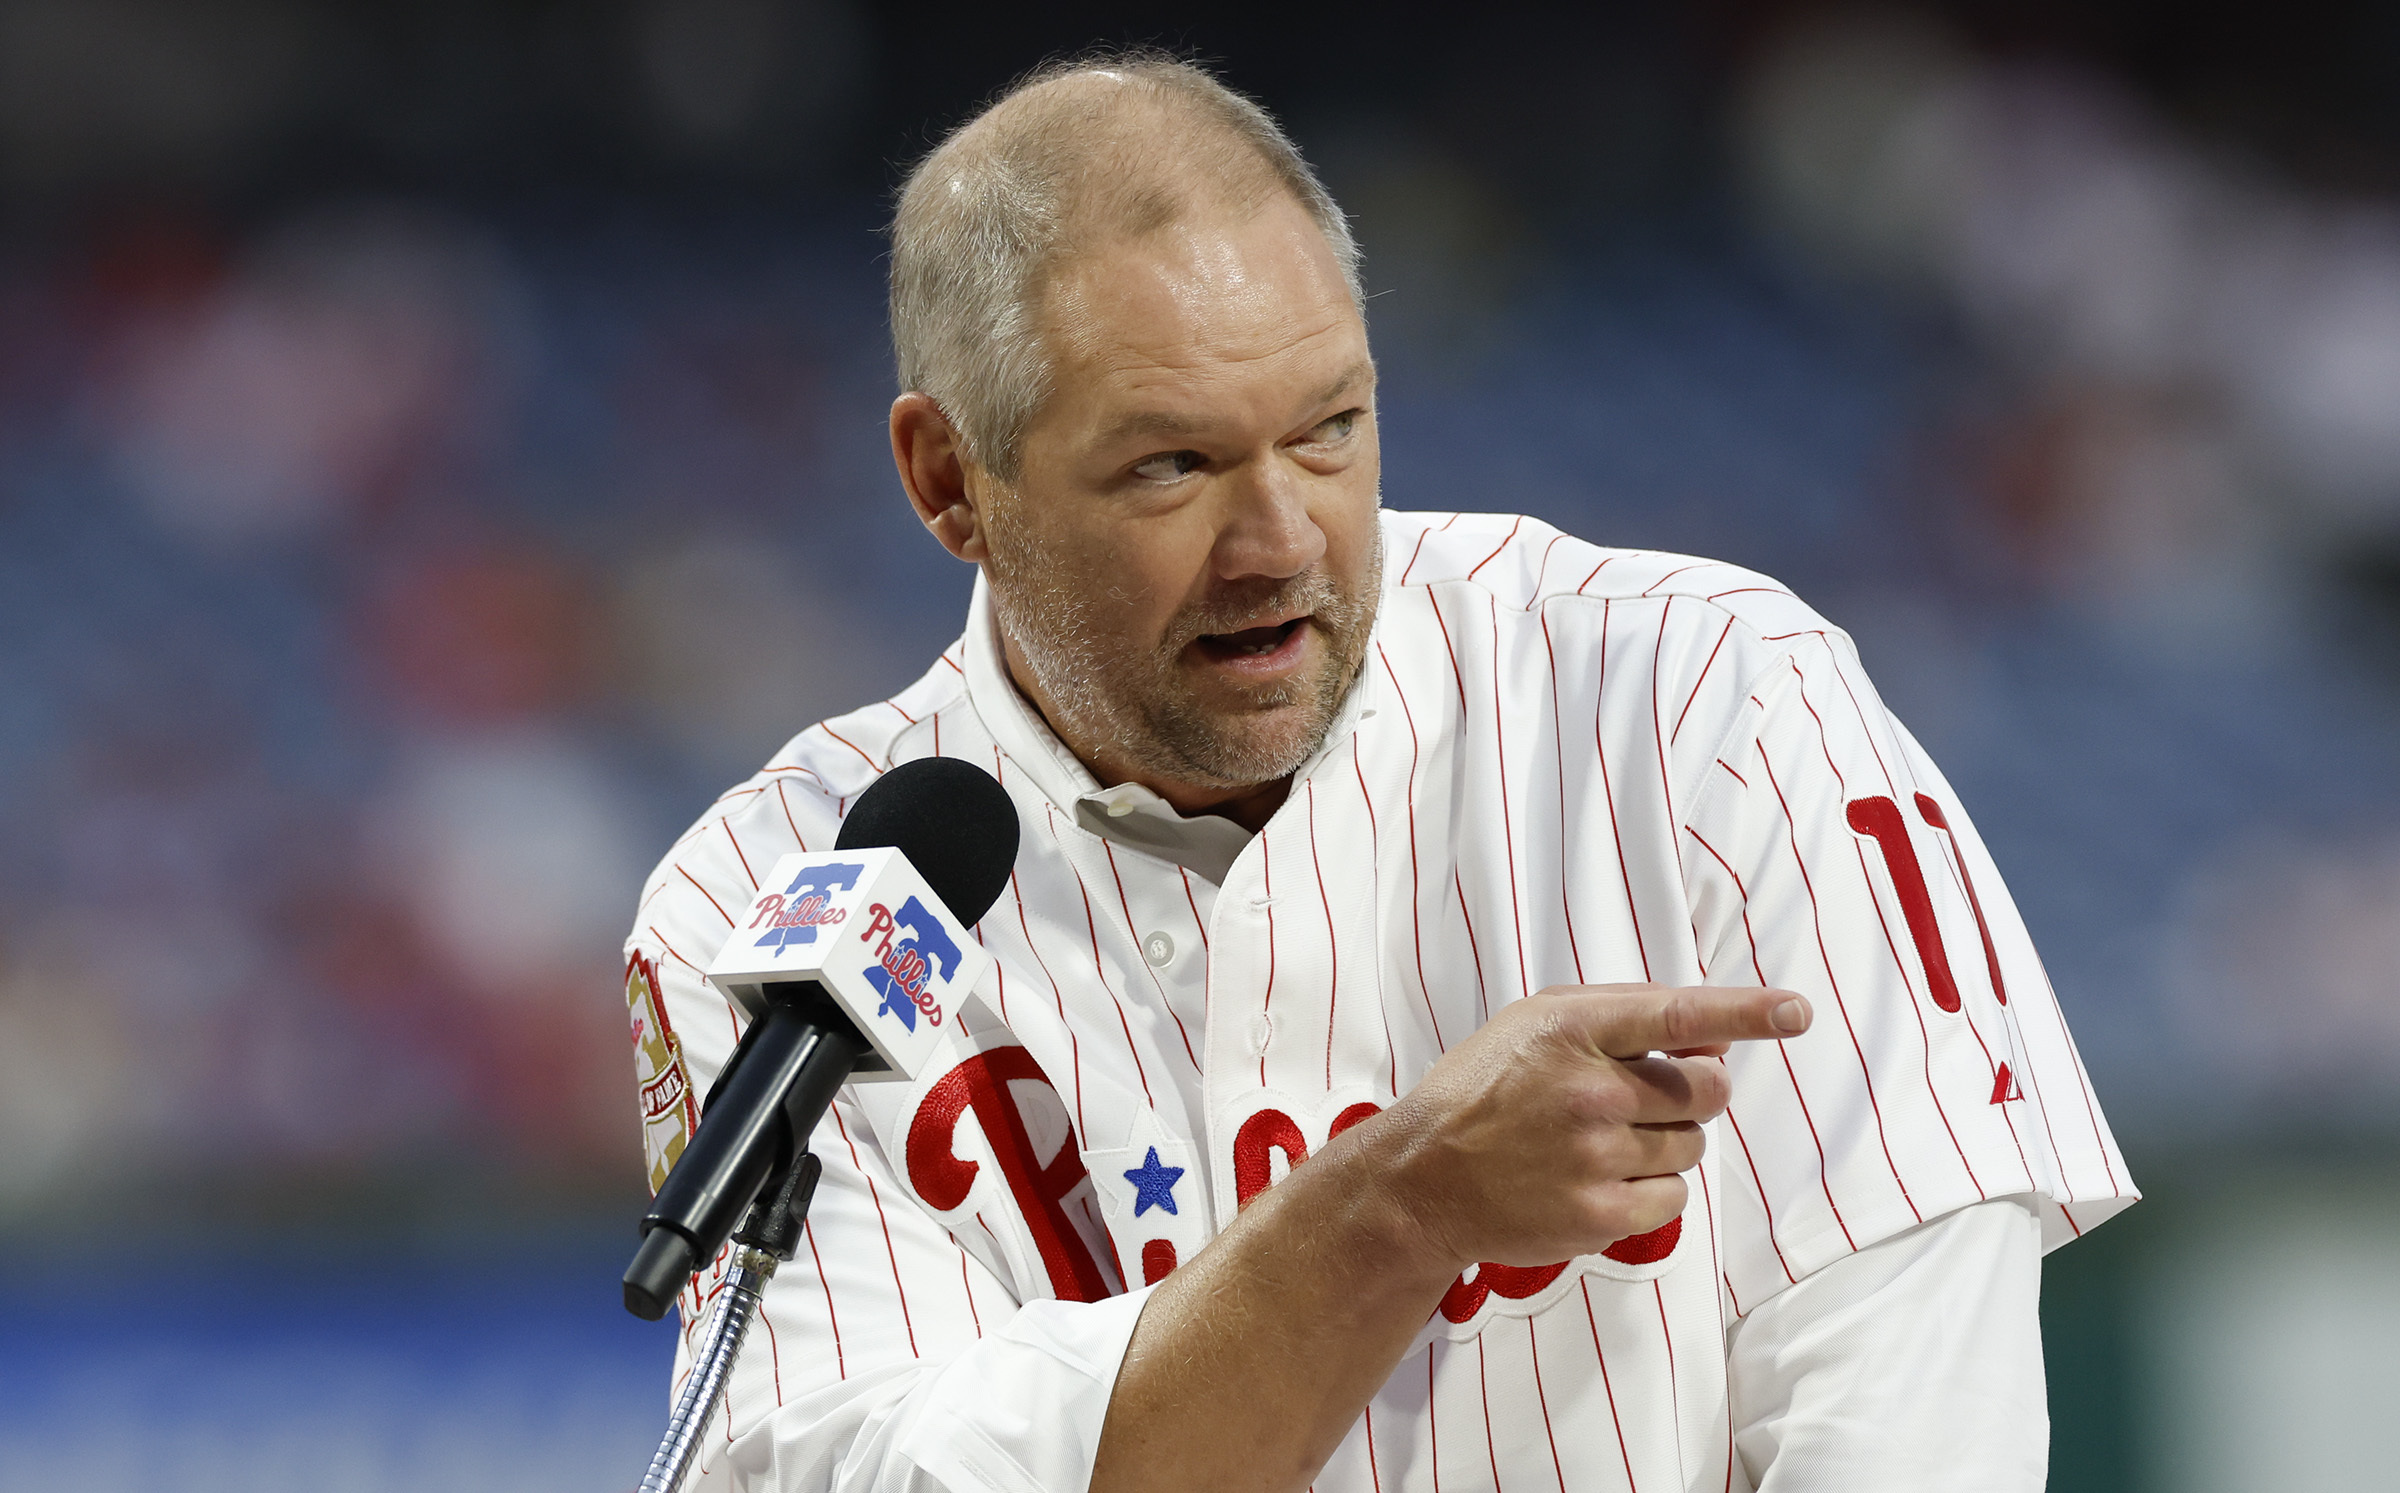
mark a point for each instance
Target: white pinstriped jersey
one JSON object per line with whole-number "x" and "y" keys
{"x": 1563, "y": 764}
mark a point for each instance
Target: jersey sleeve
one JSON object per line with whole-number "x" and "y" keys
{"x": 1823, "y": 853}
{"x": 886, "y": 1357}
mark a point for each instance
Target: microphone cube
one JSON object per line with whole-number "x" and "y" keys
{"x": 864, "y": 927}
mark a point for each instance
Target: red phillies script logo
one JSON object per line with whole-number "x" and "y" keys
{"x": 808, "y": 912}
{"x": 942, "y": 1177}
{"x": 1271, "y": 1130}
{"x": 907, "y": 973}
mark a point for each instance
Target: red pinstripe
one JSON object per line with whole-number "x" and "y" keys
{"x": 1542, "y": 570}
{"x": 1866, "y": 1072}
{"x": 1743, "y": 590}
{"x": 1455, "y": 673}
{"x": 1194, "y": 904}
{"x": 1624, "y": 1453}
{"x": 1422, "y": 536}
{"x": 1558, "y": 742}
{"x": 1587, "y": 580}
{"x": 1373, "y": 1473}
{"x": 1666, "y": 780}
{"x": 1416, "y": 873}
{"x": 896, "y": 710}
{"x": 1716, "y": 1263}
{"x": 1652, "y": 588}
{"x": 1824, "y": 1172}
{"x": 1091, "y": 926}
{"x": 652, "y": 930}
{"x": 1433, "y": 1428}
{"x": 1482, "y": 992}
{"x": 1495, "y": 554}
{"x": 737, "y": 853}
{"x": 1483, "y": 1371}
{"x": 774, "y": 1361}
{"x": 1375, "y": 890}
{"x": 797, "y": 838}
{"x": 2033, "y": 1083}
{"x": 2090, "y": 1106}
{"x": 852, "y": 745}
{"x": 1508, "y": 827}
{"x": 875, "y": 1195}
{"x": 1608, "y": 795}
{"x": 1767, "y": 1203}
{"x": 1333, "y": 945}
{"x": 841, "y": 1367}
{"x": 1074, "y": 1043}
{"x": 703, "y": 891}
{"x": 1266, "y": 871}
{"x": 1168, "y": 1006}
{"x": 1703, "y": 679}
{"x": 1674, "y": 1390}
{"x": 966, "y": 1288}
{"x": 1737, "y": 777}
{"x": 1541, "y": 1397}
{"x": 826, "y": 787}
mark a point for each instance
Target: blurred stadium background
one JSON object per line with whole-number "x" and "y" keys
{"x": 441, "y": 446}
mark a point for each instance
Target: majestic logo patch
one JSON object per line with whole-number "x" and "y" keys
{"x": 670, "y": 1110}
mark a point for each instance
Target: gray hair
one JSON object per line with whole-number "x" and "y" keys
{"x": 1070, "y": 149}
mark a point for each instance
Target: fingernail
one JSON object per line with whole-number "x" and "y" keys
{"x": 1790, "y": 1016}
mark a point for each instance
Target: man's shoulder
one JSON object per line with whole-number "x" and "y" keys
{"x": 1525, "y": 565}
{"x": 796, "y": 801}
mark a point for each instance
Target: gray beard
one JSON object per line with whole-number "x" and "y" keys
{"x": 1134, "y": 706}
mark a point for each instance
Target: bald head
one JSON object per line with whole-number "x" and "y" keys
{"x": 1076, "y": 157}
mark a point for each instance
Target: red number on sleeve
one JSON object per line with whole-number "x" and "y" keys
{"x": 1879, "y": 818}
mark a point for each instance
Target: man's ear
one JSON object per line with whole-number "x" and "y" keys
{"x": 926, "y": 449}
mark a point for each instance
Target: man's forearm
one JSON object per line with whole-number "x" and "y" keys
{"x": 1253, "y": 1360}
{"x": 1555, "y": 1130}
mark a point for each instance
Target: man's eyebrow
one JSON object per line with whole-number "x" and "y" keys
{"x": 1169, "y": 423}
{"x": 1362, "y": 370}
{"x": 1150, "y": 422}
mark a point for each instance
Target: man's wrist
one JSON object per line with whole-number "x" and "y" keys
{"x": 1381, "y": 1218}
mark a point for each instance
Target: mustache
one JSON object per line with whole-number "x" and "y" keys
{"x": 1311, "y": 591}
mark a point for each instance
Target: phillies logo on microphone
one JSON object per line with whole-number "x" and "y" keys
{"x": 793, "y": 915}
{"x": 906, "y": 967}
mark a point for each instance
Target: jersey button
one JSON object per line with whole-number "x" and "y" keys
{"x": 1262, "y": 1031}
{"x": 1158, "y": 948}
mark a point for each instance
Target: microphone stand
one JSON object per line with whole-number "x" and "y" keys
{"x": 769, "y": 1236}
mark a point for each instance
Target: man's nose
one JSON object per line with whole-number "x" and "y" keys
{"x": 1267, "y": 529}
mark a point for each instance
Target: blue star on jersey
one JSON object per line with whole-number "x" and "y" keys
{"x": 1153, "y": 1183}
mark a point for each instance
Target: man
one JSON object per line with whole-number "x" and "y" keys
{"x": 1471, "y": 1007}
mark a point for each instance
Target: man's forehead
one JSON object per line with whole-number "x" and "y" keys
{"x": 1207, "y": 302}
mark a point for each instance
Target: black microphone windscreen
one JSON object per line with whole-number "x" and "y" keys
{"x": 950, "y": 818}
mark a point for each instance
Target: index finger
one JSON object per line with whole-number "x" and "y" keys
{"x": 1629, "y": 1021}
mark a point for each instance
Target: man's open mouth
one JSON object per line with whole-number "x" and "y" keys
{"x": 1249, "y": 642}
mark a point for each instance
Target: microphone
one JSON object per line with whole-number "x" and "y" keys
{"x": 849, "y": 963}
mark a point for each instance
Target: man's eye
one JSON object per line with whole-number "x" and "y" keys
{"x": 1166, "y": 466}
{"x": 1337, "y": 428}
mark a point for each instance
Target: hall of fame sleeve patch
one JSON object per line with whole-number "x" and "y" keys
{"x": 670, "y": 1110}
